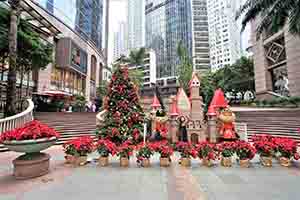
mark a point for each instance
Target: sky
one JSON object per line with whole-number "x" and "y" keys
{"x": 118, "y": 13}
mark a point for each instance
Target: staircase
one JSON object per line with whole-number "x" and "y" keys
{"x": 69, "y": 125}
{"x": 280, "y": 123}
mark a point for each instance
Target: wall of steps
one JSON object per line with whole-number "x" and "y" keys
{"x": 281, "y": 123}
{"x": 69, "y": 125}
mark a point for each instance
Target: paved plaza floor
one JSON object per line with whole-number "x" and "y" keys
{"x": 175, "y": 183}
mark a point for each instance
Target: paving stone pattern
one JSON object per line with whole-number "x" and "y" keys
{"x": 155, "y": 183}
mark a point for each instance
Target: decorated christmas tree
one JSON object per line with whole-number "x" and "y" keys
{"x": 124, "y": 118}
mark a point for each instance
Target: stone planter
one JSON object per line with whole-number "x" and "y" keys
{"x": 164, "y": 162}
{"x": 226, "y": 161}
{"x": 266, "y": 161}
{"x": 69, "y": 159}
{"x": 207, "y": 163}
{"x": 80, "y": 160}
{"x": 103, "y": 161}
{"x": 146, "y": 162}
{"x": 124, "y": 162}
{"x": 185, "y": 162}
{"x": 30, "y": 146}
{"x": 33, "y": 163}
{"x": 26, "y": 168}
{"x": 285, "y": 162}
{"x": 244, "y": 163}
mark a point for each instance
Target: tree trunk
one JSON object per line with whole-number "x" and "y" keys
{"x": 21, "y": 83}
{"x": 10, "y": 108}
{"x": 27, "y": 85}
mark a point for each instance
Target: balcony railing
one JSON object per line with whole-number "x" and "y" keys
{"x": 18, "y": 120}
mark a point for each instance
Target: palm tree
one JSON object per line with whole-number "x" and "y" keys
{"x": 185, "y": 69}
{"x": 10, "y": 108}
{"x": 272, "y": 14}
{"x": 136, "y": 57}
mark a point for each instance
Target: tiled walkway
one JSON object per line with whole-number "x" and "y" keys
{"x": 155, "y": 183}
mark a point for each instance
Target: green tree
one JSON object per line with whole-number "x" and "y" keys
{"x": 35, "y": 53}
{"x": 271, "y": 14}
{"x": 235, "y": 78}
{"x": 10, "y": 108}
{"x": 185, "y": 69}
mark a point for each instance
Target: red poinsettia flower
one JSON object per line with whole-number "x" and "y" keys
{"x": 163, "y": 148}
{"x": 80, "y": 146}
{"x": 31, "y": 130}
{"x": 186, "y": 150}
{"x": 136, "y": 134}
{"x": 125, "y": 149}
{"x": 106, "y": 147}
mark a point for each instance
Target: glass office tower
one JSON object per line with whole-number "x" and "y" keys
{"x": 167, "y": 23}
{"x": 84, "y": 16}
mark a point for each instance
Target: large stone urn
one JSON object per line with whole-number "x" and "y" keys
{"x": 33, "y": 163}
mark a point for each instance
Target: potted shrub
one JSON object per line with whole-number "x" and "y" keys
{"x": 287, "y": 149}
{"x": 105, "y": 148}
{"x": 79, "y": 148}
{"x": 144, "y": 152}
{"x": 227, "y": 150}
{"x": 165, "y": 151}
{"x": 30, "y": 139}
{"x": 125, "y": 151}
{"x": 186, "y": 152}
{"x": 265, "y": 148}
{"x": 245, "y": 152}
{"x": 207, "y": 152}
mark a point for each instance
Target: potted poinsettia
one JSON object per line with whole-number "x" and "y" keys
{"x": 105, "y": 148}
{"x": 144, "y": 153}
{"x": 207, "y": 152}
{"x": 125, "y": 150}
{"x": 187, "y": 151}
{"x": 227, "y": 150}
{"x": 245, "y": 152}
{"x": 30, "y": 139}
{"x": 265, "y": 148}
{"x": 287, "y": 149}
{"x": 79, "y": 148}
{"x": 165, "y": 151}
{"x": 33, "y": 137}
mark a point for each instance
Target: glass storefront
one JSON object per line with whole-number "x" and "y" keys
{"x": 68, "y": 81}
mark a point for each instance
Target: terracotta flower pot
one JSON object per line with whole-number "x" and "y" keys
{"x": 124, "y": 162}
{"x": 185, "y": 162}
{"x": 80, "y": 160}
{"x": 70, "y": 159}
{"x": 285, "y": 162}
{"x": 226, "y": 161}
{"x": 266, "y": 161}
{"x": 103, "y": 161}
{"x": 207, "y": 163}
{"x": 164, "y": 162}
{"x": 146, "y": 162}
{"x": 245, "y": 163}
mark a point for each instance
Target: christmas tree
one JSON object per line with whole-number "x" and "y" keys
{"x": 124, "y": 117}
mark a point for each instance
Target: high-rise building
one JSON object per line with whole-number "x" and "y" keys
{"x": 201, "y": 59}
{"x": 77, "y": 66}
{"x": 136, "y": 24}
{"x": 167, "y": 24}
{"x": 83, "y": 16}
{"x": 224, "y": 32}
{"x": 119, "y": 41}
